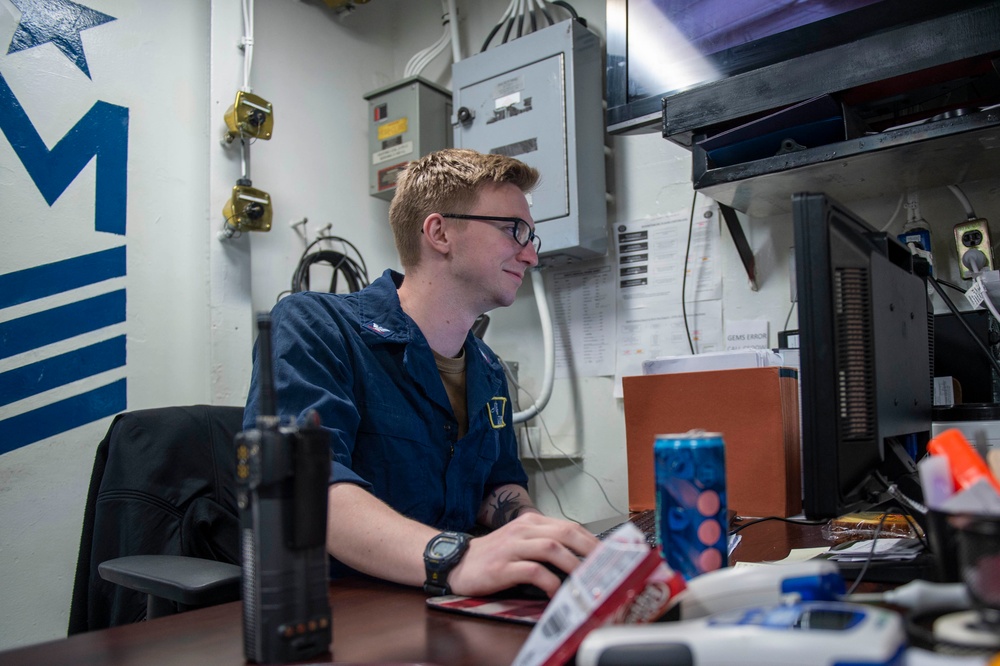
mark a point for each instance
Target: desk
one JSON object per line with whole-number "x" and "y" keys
{"x": 372, "y": 622}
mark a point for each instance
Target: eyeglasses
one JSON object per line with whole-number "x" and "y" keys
{"x": 521, "y": 231}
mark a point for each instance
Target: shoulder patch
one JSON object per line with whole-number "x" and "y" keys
{"x": 496, "y": 407}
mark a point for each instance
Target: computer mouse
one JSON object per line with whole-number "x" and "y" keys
{"x": 529, "y": 591}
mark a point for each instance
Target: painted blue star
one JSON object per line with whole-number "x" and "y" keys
{"x": 59, "y": 22}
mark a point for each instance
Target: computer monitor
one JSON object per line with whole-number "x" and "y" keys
{"x": 658, "y": 50}
{"x": 866, "y": 355}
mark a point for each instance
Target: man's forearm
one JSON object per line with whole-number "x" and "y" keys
{"x": 368, "y": 535}
{"x": 503, "y": 504}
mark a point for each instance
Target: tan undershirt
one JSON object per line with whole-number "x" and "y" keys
{"x": 452, "y": 372}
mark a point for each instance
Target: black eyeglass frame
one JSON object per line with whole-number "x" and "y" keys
{"x": 532, "y": 237}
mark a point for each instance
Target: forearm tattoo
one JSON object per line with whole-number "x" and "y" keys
{"x": 506, "y": 507}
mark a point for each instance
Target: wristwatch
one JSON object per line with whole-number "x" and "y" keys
{"x": 442, "y": 554}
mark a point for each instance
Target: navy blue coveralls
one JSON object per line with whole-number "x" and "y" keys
{"x": 366, "y": 368}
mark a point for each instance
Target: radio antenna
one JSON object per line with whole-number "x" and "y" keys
{"x": 268, "y": 404}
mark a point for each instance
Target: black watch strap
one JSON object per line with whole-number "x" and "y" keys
{"x": 442, "y": 554}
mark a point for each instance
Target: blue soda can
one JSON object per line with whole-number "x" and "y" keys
{"x": 691, "y": 501}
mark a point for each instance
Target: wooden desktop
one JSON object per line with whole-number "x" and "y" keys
{"x": 373, "y": 622}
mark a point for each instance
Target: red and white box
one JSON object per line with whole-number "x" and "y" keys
{"x": 623, "y": 581}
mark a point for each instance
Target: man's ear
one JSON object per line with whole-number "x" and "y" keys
{"x": 437, "y": 233}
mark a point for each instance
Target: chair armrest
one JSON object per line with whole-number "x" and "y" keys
{"x": 186, "y": 580}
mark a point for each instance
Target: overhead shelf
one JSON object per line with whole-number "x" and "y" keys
{"x": 932, "y": 154}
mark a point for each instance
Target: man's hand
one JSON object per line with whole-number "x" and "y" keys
{"x": 514, "y": 553}
{"x": 368, "y": 535}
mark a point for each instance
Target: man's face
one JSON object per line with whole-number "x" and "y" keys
{"x": 487, "y": 257}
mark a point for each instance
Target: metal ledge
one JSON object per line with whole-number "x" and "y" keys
{"x": 933, "y": 154}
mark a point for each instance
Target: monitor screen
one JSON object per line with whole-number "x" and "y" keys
{"x": 659, "y": 49}
{"x": 676, "y": 44}
{"x": 866, "y": 354}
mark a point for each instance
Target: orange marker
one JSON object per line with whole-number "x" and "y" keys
{"x": 967, "y": 466}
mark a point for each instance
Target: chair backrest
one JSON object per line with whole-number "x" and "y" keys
{"x": 163, "y": 482}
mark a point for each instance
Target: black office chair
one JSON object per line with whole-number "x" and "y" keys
{"x": 162, "y": 493}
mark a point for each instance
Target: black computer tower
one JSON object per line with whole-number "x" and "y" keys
{"x": 957, "y": 355}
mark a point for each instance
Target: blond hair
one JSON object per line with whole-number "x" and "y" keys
{"x": 447, "y": 181}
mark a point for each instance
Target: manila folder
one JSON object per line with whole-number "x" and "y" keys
{"x": 755, "y": 409}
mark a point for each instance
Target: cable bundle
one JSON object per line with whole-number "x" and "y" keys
{"x": 421, "y": 59}
{"x": 518, "y": 10}
{"x": 354, "y": 272}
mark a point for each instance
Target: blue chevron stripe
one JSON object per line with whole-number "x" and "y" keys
{"x": 61, "y": 323}
{"x": 59, "y": 276}
{"x": 61, "y": 416}
{"x": 34, "y": 378}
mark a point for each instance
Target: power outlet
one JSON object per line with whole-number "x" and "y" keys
{"x": 973, "y": 236}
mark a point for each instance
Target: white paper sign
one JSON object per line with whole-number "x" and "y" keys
{"x": 746, "y": 334}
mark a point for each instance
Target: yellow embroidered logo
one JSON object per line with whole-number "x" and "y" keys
{"x": 496, "y": 407}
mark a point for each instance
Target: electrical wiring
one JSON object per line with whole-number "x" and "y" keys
{"x": 545, "y": 478}
{"x": 506, "y": 32}
{"x": 229, "y": 230}
{"x": 354, "y": 271}
{"x": 871, "y": 555}
{"x": 422, "y": 58}
{"x": 987, "y": 301}
{"x": 522, "y": 15}
{"x": 247, "y": 43}
{"x": 545, "y": 11}
{"x": 899, "y": 207}
{"x": 912, "y": 506}
{"x": 793, "y": 521}
{"x": 456, "y": 45}
{"x": 961, "y": 320}
{"x": 568, "y": 7}
{"x": 952, "y": 285}
{"x": 548, "y": 343}
{"x": 789, "y": 317}
{"x": 545, "y": 427}
{"x": 499, "y": 24}
{"x": 687, "y": 256}
{"x": 964, "y": 200}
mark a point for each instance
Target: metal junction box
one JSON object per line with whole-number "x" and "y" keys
{"x": 539, "y": 98}
{"x": 406, "y": 120}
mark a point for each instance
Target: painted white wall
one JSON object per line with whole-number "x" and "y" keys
{"x": 177, "y": 68}
{"x": 316, "y": 70}
{"x": 191, "y": 297}
{"x": 152, "y": 60}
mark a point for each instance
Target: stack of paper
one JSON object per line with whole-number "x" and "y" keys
{"x": 723, "y": 360}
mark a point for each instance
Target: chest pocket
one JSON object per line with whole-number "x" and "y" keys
{"x": 406, "y": 467}
{"x": 485, "y": 442}
{"x": 489, "y": 448}
{"x": 392, "y": 421}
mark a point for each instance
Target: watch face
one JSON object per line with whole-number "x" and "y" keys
{"x": 442, "y": 548}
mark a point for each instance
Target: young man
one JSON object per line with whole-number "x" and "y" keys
{"x": 417, "y": 407}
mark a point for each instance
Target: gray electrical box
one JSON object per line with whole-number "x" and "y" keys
{"x": 406, "y": 120}
{"x": 539, "y": 98}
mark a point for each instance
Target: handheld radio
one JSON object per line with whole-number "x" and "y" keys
{"x": 282, "y": 473}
